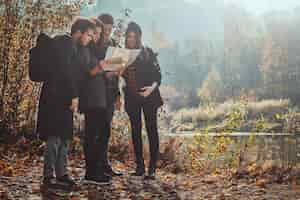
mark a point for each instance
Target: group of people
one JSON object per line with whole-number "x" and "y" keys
{"x": 78, "y": 75}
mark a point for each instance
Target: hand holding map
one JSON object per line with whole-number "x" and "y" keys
{"x": 120, "y": 58}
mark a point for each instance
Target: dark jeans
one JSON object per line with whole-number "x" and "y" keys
{"x": 96, "y": 141}
{"x": 110, "y": 112}
{"x": 110, "y": 115}
{"x": 135, "y": 115}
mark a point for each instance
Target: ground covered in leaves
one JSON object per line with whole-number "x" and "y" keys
{"x": 21, "y": 176}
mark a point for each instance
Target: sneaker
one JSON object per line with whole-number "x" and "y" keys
{"x": 138, "y": 172}
{"x": 67, "y": 180}
{"x": 88, "y": 180}
{"x": 49, "y": 181}
{"x": 100, "y": 180}
{"x": 110, "y": 172}
{"x": 150, "y": 176}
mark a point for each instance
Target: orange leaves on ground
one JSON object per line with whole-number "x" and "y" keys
{"x": 74, "y": 198}
{"x": 188, "y": 184}
{"x": 262, "y": 182}
{"x": 6, "y": 169}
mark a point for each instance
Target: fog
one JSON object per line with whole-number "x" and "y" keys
{"x": 212, "y": 51}
{"x": 261, "y": 6}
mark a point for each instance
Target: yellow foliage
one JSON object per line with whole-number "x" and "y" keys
{"x": 20, "y": 23}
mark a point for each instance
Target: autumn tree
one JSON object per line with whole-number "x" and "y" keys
{"x": 280, "y": 56}
{"x": 242, "y": 36}
{"x": 20, "y": 23}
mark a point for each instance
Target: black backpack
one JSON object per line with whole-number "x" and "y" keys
{"x": 41, "y": 58}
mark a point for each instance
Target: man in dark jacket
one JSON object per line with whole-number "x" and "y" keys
{"x": 58, "y": 102}
{"x": 112, "y": 79}
{"x": 92, "y": 102}
{"x": 113, "y": 95}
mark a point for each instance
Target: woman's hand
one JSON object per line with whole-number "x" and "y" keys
{"x": 118, "y": 103}
{"x": 98, "y": 68}
{"x": 102, "y": 65}
{"x": 74, "y": 105}
{"x": 146, "y": 91}
{"x": 119, "y": 70}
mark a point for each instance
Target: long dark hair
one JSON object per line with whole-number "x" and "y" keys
{"x": 96, "y": 48}
{"x": 99, "y": 23}
{"x": 135, "y": 28}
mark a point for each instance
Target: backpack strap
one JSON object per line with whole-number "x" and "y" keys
{"x": 149, "y": 55}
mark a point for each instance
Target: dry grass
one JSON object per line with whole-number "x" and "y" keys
{"x": 268, "y": 106}
{"x": 219, "y": 112}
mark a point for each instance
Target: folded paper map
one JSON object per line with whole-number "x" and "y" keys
{"x": 120, "y": 57}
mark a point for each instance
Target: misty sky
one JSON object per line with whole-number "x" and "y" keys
{"x": 261, "y": 6}
{"x": 196, "y": 16}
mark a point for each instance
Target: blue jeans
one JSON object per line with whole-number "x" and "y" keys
{"x": 55, "y": 157}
